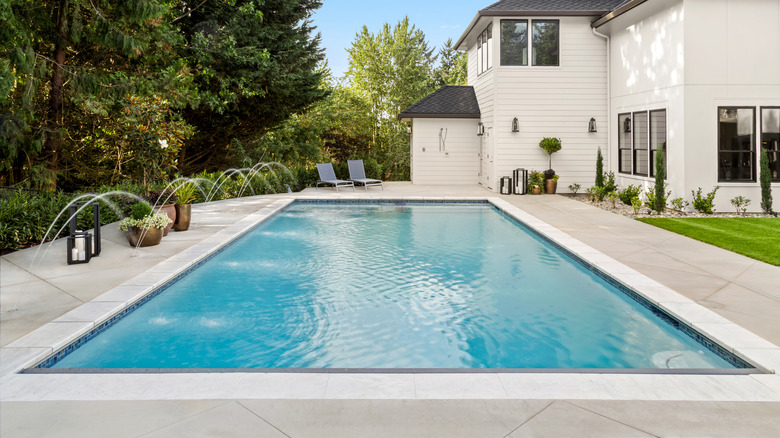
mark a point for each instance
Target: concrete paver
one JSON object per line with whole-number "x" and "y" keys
{"x": 737, "y": 288}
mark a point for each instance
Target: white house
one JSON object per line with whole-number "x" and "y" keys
{"x": 697, "y": 78}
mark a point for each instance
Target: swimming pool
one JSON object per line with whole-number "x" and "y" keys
{"x": 393, "y": 285}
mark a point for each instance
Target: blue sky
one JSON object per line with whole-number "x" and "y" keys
{"x": 340, "y": 20}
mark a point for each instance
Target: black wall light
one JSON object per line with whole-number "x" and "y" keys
{"x": 480, "y": 129}
{"x": 515, "y": 125}
{"x": 592, "y": 125}
{"x": 627, "y": 125}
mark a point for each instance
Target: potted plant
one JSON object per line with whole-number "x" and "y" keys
{"x": 144, "y": 227}
{"x": 185, "y": 194}
{"x": 535, "y": 182}
{"x": 550, "y": 145}
{"x": 163, "y": 202}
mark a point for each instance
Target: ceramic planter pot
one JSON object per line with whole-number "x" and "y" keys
{"x": 170, "y": 210}
{"x": 183, "y": 216}
{"x": 550, "y": 186}
{"x": 153, "y": 236}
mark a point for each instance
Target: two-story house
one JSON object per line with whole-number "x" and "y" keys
{"x": 699, "y": 79}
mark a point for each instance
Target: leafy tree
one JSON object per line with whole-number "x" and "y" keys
{"x": 257, "y": 66}
{"x": 391, "y": 70}
{"x": 452, "y": 66}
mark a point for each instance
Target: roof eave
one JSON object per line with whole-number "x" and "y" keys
{"x": 609, "y": 16}
{"x": 408, "y": 117}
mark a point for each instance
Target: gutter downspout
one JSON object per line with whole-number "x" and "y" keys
{"x": 609, "y": 97}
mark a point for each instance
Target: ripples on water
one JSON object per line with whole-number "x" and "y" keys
{"x": 382, "y": 286}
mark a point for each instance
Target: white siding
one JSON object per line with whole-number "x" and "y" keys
{"x": 553, "y": 102}
{"x": 456, "y": 162}
{"x": 484, "y": 87}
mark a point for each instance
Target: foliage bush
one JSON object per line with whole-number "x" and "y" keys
{"x": 629, "y": 193}
{"x": 596, "y": 193}
{"x": 574, "y": 188}
{"x": 636, "y": 204}
{"x": 740, "y": 203}
{"x": 679, "y": 204}
{"x": 704, "y": 204}
{"x": 609, "y": 182}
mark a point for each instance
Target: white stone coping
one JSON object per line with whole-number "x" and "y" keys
{"x": 36, "y": 346}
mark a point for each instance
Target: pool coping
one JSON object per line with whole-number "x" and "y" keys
{"x": 36, "y": 346}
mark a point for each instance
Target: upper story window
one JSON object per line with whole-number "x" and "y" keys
{"x": 544, "y": 43}
{"x": 514, "y": 42}
{"x": 485, "y": 50}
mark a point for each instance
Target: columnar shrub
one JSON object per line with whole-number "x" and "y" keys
{"x": 660, "y": 173}
{"x": 599, "y": 169}
{"x": 766, "y": 183}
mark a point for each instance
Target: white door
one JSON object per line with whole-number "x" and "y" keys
{"x": 486, "y": 159}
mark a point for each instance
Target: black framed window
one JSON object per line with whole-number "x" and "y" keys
{"x": 485, "y": 50}
{"x": 658, "y": 139}
{"x": 514, "y": 42}
{"x": 546, "y": 39}
{"x": 641, "y": 133}
{"x": 736, "y": 140}
{"x": 770, "y": 139}
{"x": 624, "y": 143}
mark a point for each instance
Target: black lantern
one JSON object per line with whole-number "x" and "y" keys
{"x": 627, "y": 125}
{"x": 592, "y": 125}
{"x": 83, "y": 244}
{"x": 480, "y": 129}
{"x": 515, "y": 125}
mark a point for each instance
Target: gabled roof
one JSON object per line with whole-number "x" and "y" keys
{"x": 450, "y": 101}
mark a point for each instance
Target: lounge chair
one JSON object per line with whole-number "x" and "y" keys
{"x": 328, "y": 176}
{"x": 357, "y": 174}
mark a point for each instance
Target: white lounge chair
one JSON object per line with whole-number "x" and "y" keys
{"x": 328, "y": 176}
{"x": 357, "y": 174}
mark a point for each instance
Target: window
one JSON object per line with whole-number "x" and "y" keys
{"x": 485, "y": 50}
{"x": 514, "y": 42}
{"x": 640, "y": 135}
{"x": 770, "y": 139}
{"x": 624, "y": 143}
{"x": 545, "y": 42}
{"x": 736, "y": 137}
{"x": 657, "y": 138}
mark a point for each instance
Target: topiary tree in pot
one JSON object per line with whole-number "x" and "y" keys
{"x": 550, "y": 145}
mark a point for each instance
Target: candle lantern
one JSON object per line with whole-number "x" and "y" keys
{"x": 83, "y": 244}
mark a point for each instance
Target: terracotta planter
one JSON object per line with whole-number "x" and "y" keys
{"x": 183, "y": 216}
{"x": 536, "y": 190}
{"x": 153, "y": 236}
{"x": 550, "y": 186}
{"x": 170, "y": 210}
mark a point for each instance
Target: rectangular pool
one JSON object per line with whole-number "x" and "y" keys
{"x": 392, "y": 285}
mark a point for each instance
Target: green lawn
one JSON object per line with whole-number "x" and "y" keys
{"x": 758, "y": 238}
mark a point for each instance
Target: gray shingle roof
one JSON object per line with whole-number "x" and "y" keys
{"x": 449, "y": 101}
{"x": 602, "y": 6}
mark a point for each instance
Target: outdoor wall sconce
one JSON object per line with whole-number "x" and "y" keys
{"x": 627, "y": 125}
{"x": 480, "y": 129}
{"x": 408, "y": 129}
{"x": 515, "y": 125}
{"x": 83, "y": 245}
{"x": 592, "y": 125}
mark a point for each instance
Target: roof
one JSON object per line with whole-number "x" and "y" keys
{"x": 592, "y": 7}
{"x": 603, "y": 9}
{"x": 450, "y": 101}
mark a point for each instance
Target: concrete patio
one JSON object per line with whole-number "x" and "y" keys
{"x": 39, "y": 287}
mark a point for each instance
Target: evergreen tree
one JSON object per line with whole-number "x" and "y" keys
{"x": 256, "y": 64}
{"x": 599, "y": 169}
{"x": 452, "y": 66}
{"x": 766, "y": 182}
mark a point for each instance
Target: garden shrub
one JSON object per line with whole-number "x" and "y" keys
{"x": 629, "y": 193}
{"x": 740, "y": 203}
{"x": 599, "y": 169}
{"x": 609, "y": 182}
{"x": 704, "y": 204}
{"x": 766, "y": 183}
{"x": 652, "y": 202}
{"x": 679, "y": 204}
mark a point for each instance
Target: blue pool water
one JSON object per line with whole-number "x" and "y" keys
{"x": 385, "y": 285}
